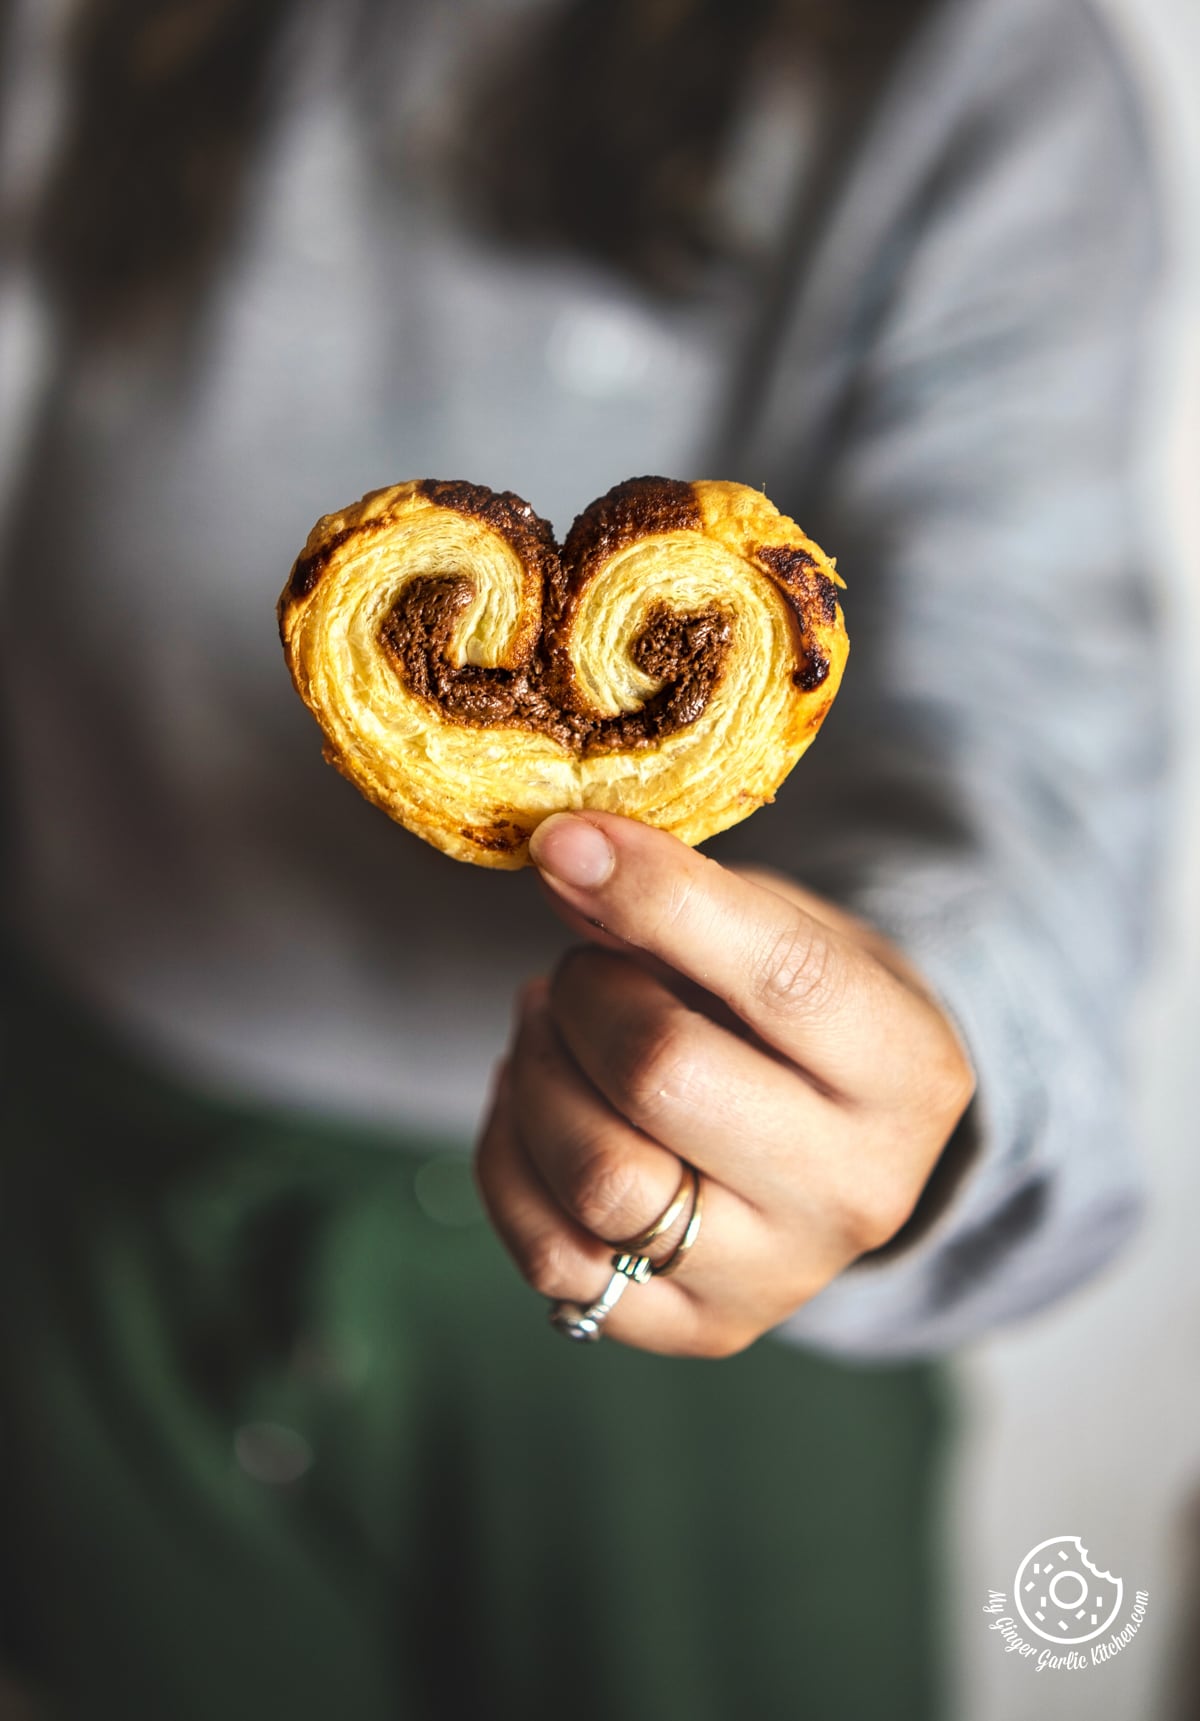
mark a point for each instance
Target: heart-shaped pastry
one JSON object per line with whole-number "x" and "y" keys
{"x": 671, "y": 663}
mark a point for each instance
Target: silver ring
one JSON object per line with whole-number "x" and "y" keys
{"x": 583, "y": 1321}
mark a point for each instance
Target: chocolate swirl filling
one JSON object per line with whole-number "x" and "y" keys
{"x": 687, "y": 653}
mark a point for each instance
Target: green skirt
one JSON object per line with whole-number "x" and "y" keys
{"x": 284, "y": 1436}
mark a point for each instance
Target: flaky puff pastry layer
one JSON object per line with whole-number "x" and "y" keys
{"x": 671, "y": 663}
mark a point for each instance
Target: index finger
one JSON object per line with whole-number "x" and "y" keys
{"x": 801, "y": 985}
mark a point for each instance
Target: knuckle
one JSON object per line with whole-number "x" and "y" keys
{"x": 942, "y": 1083}
{"x": 545, "y": 1262}
{"x": 601, "y": 1191}
{"x": 794, "y": 974}
{"x": 586, "y": 985}
{"x": 876, "y": 1210}
{"x": 654, "y": 1066}
{"x": 956, "y": 1084}
{"x": 576, "y": 977}
{"x": 578, "y": 965}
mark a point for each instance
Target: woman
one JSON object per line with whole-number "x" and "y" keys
{"x": 284, "y": 1432}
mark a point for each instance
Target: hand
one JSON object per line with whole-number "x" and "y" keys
{"x": 734, "y": 1020}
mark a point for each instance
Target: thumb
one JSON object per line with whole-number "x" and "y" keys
{"x": 799, "y": 983}
{"x": 621, "y": 884}
{"x": 575, "y": 855}
{"x": 559, "y": 854}
{"x": 615, "y": 880}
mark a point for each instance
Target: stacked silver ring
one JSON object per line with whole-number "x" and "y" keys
{"x": 585, "y": 1321}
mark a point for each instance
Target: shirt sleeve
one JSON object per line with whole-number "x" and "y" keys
{"x": 988, "y": 788}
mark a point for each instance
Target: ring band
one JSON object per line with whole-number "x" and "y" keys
{"x": 675, "y": 1260}
{"x": 585, "y": 1321}
{"x": 580, "y": 1321}
{"x": 635, "y": 1245}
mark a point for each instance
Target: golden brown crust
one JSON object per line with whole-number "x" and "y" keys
{"x": 672, "y": 663}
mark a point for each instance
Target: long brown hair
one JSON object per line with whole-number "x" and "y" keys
{"x": 601, "y": 128}
{"x": 162, "y": 104}
{"x": 623, "y": 111}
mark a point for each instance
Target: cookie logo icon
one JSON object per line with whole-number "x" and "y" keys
{"x": 1062, "y": 1596}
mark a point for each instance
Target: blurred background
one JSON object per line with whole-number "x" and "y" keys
{"x": 1086, "y": 1421}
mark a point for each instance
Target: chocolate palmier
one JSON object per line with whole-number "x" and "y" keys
{"x": 671, "y": 662}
